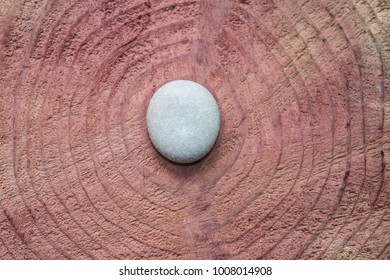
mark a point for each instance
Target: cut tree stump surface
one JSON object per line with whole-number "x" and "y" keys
{"x": 301, "y": 166}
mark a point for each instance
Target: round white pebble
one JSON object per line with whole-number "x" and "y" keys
{"x": 183, "y": 121}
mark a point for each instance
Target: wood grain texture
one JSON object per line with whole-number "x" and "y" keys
{"x": 300, "y": 169}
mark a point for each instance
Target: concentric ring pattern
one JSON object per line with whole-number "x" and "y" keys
{"x": 300, "y": 169}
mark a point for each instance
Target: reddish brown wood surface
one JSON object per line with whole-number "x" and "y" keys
{"x": 300, "y": 170}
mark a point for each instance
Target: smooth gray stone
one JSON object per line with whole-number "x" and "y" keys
{"x": 183, "y": 121}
